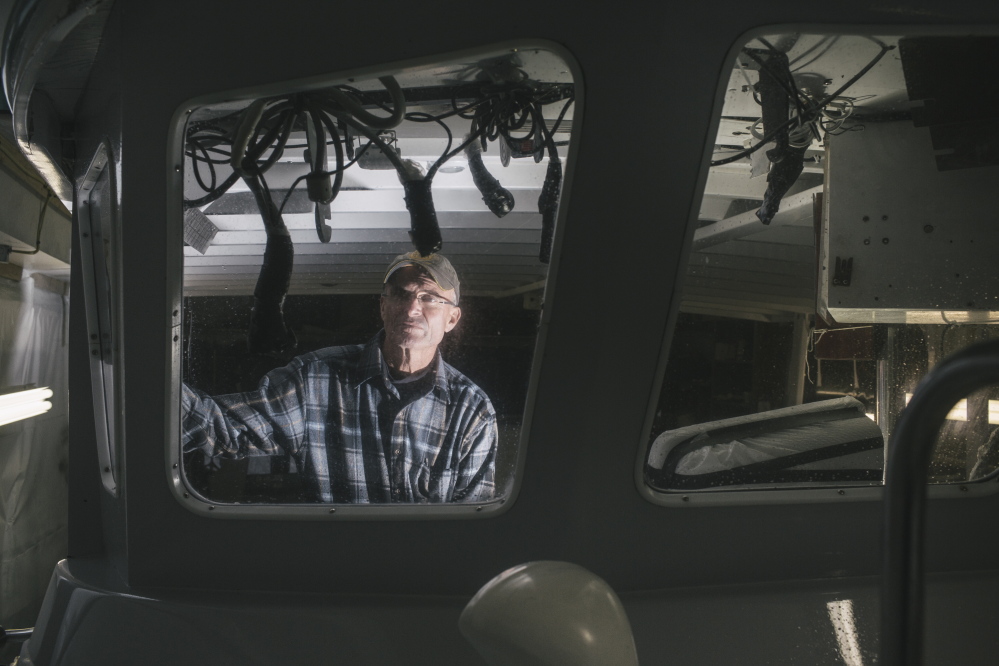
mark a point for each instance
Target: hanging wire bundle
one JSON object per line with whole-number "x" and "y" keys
{"x": 252, "y": 140}
{"x": 831, "y": 121}
{"x": 791, "y": 119}
{"x": 501, "y": 113}
{"x": 809, "y": 113}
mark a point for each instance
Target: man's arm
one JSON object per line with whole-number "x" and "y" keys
{"x": 267, "y": 421}
{"x": 477, "y": 470}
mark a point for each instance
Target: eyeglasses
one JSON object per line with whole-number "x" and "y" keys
{"x": 399, "y": 295}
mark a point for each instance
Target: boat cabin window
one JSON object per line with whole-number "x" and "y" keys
{"x": 842, "y": 248}
{"x": 364, "y": 266}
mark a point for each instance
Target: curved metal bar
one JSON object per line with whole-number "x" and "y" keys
{"x": 909, "y": 452}
{"x": 15, "y": 635}
{"x": 36, "y": 30}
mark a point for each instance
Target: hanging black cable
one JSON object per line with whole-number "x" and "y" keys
{"x": 268, "y": 333}
{"x": 548, "y": 200}
{"x": 777, "y": 68}
{"x": 214, "y": 194}
{"x": 197, "y": 169}
{"x": 498, "y": 199}
{"x": 424, "y": 230}
{"x": 786, "y": 161}
{"x": 340, "y": 171}
{"x": 372, "y": 135}
{"x": 446, "y": 154}
{"x": 279, "y": 131}
{"x": 320, "y": 189}
{"x": 351, "y": 105}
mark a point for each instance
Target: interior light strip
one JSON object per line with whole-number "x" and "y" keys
{"x": 994, "y": 412}
{"x": 24, "y": 404}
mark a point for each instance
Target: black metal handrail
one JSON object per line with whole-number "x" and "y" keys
{"x": 15, "y": 635}
{"x": 909, "y": 452}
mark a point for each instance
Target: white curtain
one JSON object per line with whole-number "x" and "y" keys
{"x": 33, "y": 452}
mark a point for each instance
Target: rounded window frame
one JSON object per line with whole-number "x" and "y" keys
{"x": 179, "y": 487}
{"x": 741, "y": 496}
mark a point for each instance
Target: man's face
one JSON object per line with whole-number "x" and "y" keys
{"x": 410, "y": 322}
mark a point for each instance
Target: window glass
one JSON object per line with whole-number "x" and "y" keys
{"x": 840, "y": 252}
{"x": 369, "y": 337}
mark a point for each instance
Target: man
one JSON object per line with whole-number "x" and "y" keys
{"x": 388, "y": 421}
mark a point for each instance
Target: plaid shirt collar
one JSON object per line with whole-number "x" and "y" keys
{"x": 370, "y": 366}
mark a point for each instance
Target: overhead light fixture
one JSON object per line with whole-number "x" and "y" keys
{"x": 24, "y": 404}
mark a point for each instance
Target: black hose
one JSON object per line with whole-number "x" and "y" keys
{"x": 268, "y": 333}
{"x": 498, "y": 199}
{"x": 214, "y": 194}
{"x": 354, "y": 108}
{"x": 550, "y": 191}
{"x": 548, "y": 207}
{"x": 424, "y": 231}
{"x": 338, "y": 152}
{"x": 282, "y": 132}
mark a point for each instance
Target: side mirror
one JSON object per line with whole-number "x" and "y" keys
{"x": 549, "y": 614}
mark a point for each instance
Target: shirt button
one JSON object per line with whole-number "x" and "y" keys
{"x": 397, "y": 451}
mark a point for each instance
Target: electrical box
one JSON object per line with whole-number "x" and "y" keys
{"x": 901, "y": 240}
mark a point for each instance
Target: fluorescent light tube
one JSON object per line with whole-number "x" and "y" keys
{"x": 24, "y": 404}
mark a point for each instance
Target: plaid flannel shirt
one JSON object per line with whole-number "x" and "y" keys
{"x": 328, "y": 409}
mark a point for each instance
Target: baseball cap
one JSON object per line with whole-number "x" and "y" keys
{"x": 437, "y": 265}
